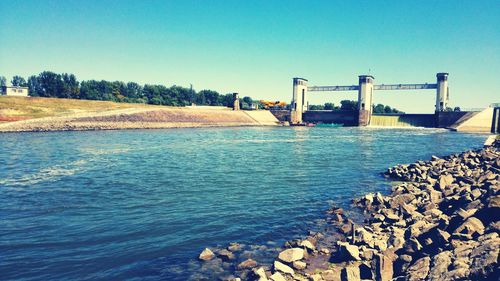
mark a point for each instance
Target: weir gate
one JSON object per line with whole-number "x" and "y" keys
{"x": 366, "y": 86}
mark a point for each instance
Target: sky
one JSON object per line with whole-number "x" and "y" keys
{"x": 256, "y": 47}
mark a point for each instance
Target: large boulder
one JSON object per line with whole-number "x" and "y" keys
{"x": 299, "y": 265}
{"x": 348, "y": 252}
{"x": 472, "y": 227}
{"x": 351, "y": 273}
{"x": 206, "y": 255}
{"x": 440, "y": 266}
{"x": 444, "y": 181}
{"x": 485, "y": 256}
{"x": 307, "y": 245}
{"x": 383, "y": 266}
{"x": 225, "y": 255}
{"x": 278, "y": 266}
{"x": 291, "y": 255}
{"x": 419, "y": 270}
{"x": 247, "y": 264}
{"x": 277, "y": 277}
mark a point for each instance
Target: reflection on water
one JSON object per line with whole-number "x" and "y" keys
{"x": 143, "y": 204}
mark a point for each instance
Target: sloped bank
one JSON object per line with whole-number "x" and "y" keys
{"x": 440, "y": 223}
{"x": 144, "y": 118}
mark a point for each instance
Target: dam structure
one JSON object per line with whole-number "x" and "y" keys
{"x": 365, "y": 89}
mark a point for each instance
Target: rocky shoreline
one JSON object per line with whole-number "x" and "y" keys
{"x": 441, "y": 222}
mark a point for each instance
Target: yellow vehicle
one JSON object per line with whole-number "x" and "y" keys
{"x": 273, "y": 104}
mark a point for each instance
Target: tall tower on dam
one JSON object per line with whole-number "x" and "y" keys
{"x": 299, "y": 100}
{"x": 442, "y": 94}
{"x": 365, "y": 94}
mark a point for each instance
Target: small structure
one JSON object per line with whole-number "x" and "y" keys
{"x": 14, "y": 91}
{"x": 236, "y": 101}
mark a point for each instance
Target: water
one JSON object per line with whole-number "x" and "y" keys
{"x": 141, "y": 205}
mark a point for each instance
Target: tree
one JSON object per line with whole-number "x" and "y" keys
{"x": 18, "y": 81}
{"x": 70, "y": 87}
{"x": 210, "y": 97}
{"x": 3, "y": 81}
{"x": 329, "y": 106}
{"x": 457, "y": 109}
{"x": 348, "y": 105}
{"x": 248, "y": 100}
{"x": 379, "y": 108}
{"x": 316, "y": 107}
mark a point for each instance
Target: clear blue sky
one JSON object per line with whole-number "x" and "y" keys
{"x": 256, "y": 47}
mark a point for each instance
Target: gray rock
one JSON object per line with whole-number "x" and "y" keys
{"x": 383, "y": 268}
{"x": 299, "y": 265}
{"x": 247, "y": 264}
{"x": 471, "y": 227}
{"x": 291, "y": 255}
{"x": 283, "y": 268}
{"x": 206, "y": 255}
{"x": 348, "y": 252}
{"x": 225, "y": 255}
{"x": 419, "y": 270}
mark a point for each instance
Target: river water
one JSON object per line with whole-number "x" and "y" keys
{"x": 142, "y": 204}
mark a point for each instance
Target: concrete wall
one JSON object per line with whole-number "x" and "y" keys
{"x": 348, "y": 118}
{"x": 447, "y": 119}
{"x": 281, "y": 115}
{"x": 480, "y": 122}
{"x": 263, "y": 117}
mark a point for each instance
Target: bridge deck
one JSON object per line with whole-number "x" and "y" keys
{"x": 375, "y": 87}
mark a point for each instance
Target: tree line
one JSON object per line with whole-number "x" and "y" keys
{"x": 350, "y": 105}
{"x": 50, "y": 84}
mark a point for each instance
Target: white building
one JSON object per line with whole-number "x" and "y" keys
{"x": 14, "y": 91}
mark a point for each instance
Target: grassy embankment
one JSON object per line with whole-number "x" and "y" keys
{"x": 53, "y": 114}
{"x": 23, "y": 108}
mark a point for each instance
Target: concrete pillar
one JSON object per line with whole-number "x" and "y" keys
{"x": 236, "y": 101}
{"x": 365, "y": 94}
{"x": 299, "y": 100}
{"x": 442, "y": 92}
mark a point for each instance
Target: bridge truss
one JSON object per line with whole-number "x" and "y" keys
{"x": 375, "y": 87}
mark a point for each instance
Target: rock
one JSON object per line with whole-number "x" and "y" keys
{"x": 471, "y": 227}
{"x": 234, "y": 247}
{"x": 351, "y": 273}
{"x": 291, "y": 255}
{"x": 419, "y": 270}
{"x": 494, "y": 202}
{"x": 383, "y": 268}
{"x": 315, "y": 277}
{"x": 440, "y": 264}
{"x": 331, "y": 274}
{"x": 308, "y": 245}
{"x": 435, "y": 196}
{"x": 225, "y": 255}
{"x": 247, "y": 264}
{"x": 445, "y": 181}
{"x": 261, "y": 273}
{"x": 283, "y": 268}
{"x": 364, "y": 237}
{"x": 485, "y": 256}
{"x": 348, "y": 252}
{"x": 277, "y": 277}
{"x": 206, "y": 255}
{"x": 299, "y": 265}
{"x": 324, "y": 251}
